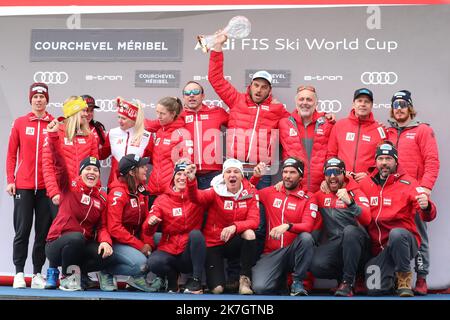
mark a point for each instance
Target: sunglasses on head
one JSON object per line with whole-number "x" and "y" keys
{"x": 333, "y": 171}
{"x": 400, "y": 104}
{"x": 193, "y": 91}
{"x": 310, "y": 88}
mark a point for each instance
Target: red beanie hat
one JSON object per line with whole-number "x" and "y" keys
{"x": 38, "y": 87}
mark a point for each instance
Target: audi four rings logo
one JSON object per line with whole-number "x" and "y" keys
{"x": 106, "y": 105}
{"x": 379, "y": 78}
{"x": 51, "y": 77}
{"x": 328, "y": 106}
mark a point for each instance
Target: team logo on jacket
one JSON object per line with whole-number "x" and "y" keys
{"x": 189, "y": 118}
{"x": 133, "y": 203}
{"x": 97, "y": 204}
{"x": 157, "y": 141}
{"x": 277, "y": 203}
{"x": 81, "y": 140}
{"x": 166, "y": 141}
{"x": 411, "y": 135}
{"x": 228, "y": 205}
{"x": 29, "y": 131}
{"x": 350, "y": 136}
{"x": 265, "y": 108}
{"x": 387, "y": 202}
{"x": 85, "y": 199}
{"x": 204, "y": 117}
{"x": 366, "y": 138}
{"x": 373, "y": 201}
{"x": 177, "y": 212}
{"x": 292, "y": 132}
{"x": 245, "y": 193}
{"x": 340, "y": 204}
{"x": 292, "y": 206}
{"x": 320, "y": 131}
{"x": 301, "y": 193}
{"x": 313, "y": 207}
{"x": 67, "y": 142}
{"x": 327, "y": 202}
{"x": 242, "y": 204}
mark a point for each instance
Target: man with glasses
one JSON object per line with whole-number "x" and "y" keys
{"x": 418, "y": 154}
{"x": 204, "y": 125}
{"x": 345, "y": 212}
{"x": 354, "y": 139}
{"x": 315, "y": 128}
{"x": 394, "y": 198}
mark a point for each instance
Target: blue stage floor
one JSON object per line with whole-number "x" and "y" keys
{"x": 8, "y": 293}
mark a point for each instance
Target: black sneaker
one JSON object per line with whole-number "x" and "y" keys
{"x": 232, "y": 286}
{"x": 194, "y": 286}
{"x": 345, "y": 289}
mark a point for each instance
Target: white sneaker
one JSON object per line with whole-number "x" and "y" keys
{"x": 19, "y": 281}
{"x": 38, "y": 281}
{"x": 70, "y": 283}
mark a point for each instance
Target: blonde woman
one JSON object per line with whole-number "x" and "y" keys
{"x": 129, "y": 137}
{"x": 77, "y": 143}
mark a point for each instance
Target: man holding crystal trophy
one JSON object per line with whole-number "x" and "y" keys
{"x": 255, "y": 116}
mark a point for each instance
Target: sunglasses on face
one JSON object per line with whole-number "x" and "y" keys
{"x": 310, "y": 88}
{"x": 400, "y": 104}
{"x": 333, "y": 171}
{"x": 193, "y": 91}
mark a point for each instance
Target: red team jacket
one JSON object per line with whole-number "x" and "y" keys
{"x": 355, "y": 141}
{"x": 393, "y": 206}
{"x": 255, "y": 145}
{"x": 293, "y": 206}
{"x": 81, "y": 209}
{"x": 73, "y": 152}
{"x": 417, "y": 151}
{"x": 223, "y": 211}
{"x": 126, "y": 215}
{"x": 27, "y": 136}
{"x": 204, "y": 126}
{"x": 179, "y": 217}
{"x": 317, "y": 132}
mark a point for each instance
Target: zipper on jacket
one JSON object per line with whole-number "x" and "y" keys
{"x": 308, "y": 158}
{"x": 282, "y": 220}
{"x": 253, "y": 134}
{"x": 37, "y": 157}
{"x": 378, "y": 215}
{"x": 356, "y": 149}
{"x": 198, "y": 143}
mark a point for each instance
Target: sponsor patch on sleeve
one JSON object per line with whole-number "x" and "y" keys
{"x": 363, "y": 199}
{"x": 117, "y": 193}
{"x": 313, "y": 206}
{"x": 313, "y": 214}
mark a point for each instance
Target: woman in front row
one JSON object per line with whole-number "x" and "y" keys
{"x": 182, "y": 246}
{"x": 233, "y": 215}
{"x": 78, "y": 239}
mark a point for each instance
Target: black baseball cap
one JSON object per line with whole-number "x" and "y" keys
{"x": 131, "y": 161}
{"x": 90, "y": 101}
{"x": 363, "y": 91}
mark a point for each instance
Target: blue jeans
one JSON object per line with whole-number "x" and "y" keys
{"x": 127, "y": 261}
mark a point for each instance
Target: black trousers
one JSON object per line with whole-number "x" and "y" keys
{"x": 27, "y": 202}
{"x": 236, "y": 247}
{"x": 342, "y": 258}
{"x": 72, "y": 249}
{"x": 192, "y": 259}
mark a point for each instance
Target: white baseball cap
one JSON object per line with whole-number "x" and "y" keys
{"x": 263, "y": 74}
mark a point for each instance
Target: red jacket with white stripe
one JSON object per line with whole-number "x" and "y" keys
{"x": 118, "y": 144}
{"x": 355, "y": 141}
{"x": 224, "y": 211}
{"x": 126, "y": 215}
{"x": 167, "y": 146}
{"x": 74, "y": 152}
{"x": 287, "y": 206}
{"x": 179, "y": 217}
{"x": 27, "y": 136}
{"x": 82, "y": 209}
{"x": 393, "y": 205}
{"x": 417, "y": 151}
{"x": 258, "y": 119}
{"x": 316, "y": 133}
{"x": 204, "y": 128}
